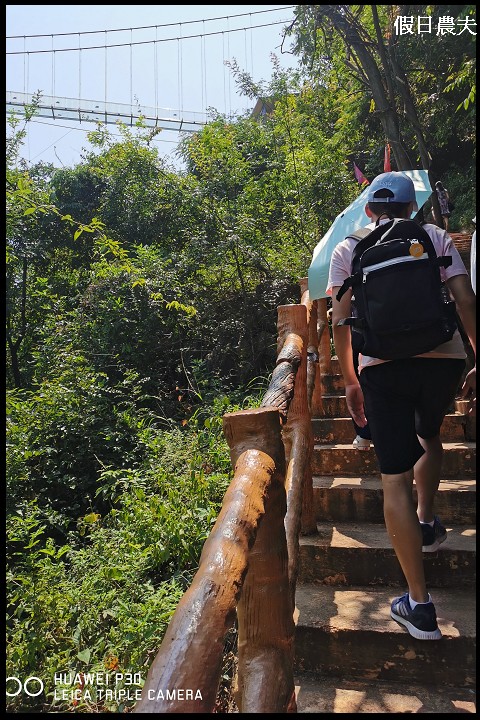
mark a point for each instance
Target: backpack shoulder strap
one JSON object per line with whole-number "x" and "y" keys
{"x": 359, "y": 234}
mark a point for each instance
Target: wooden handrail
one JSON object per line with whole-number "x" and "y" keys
{"x": 249, "y": 563}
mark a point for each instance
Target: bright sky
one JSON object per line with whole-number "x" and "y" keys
{"x": 182, "y": 71}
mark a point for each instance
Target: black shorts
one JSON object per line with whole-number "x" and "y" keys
{"x": 406, "y": 398}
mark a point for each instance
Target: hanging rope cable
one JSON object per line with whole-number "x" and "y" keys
{"x": 204, "y": 60}
{"x": 224, "y": 76}
{"x": 149, "y": 27}
{"x": 180, "y": 74}
{"x": 251, "y": 46}
{"x": 131, "y": 76}
{"x": 155, "y": 71}
{"x": 53, "y": 75}
{"x": 178, "y": 71}
{"x": 229, "y": 77}
{"x": 106, "y": 72}
{"x": 148, "y": 42}
{"x": 79, "y": 69}
{"x": 53, "y": 70}
{"x": 202, "y": 81}
{"x": 245, "y": 44}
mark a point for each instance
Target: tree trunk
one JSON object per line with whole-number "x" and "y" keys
{"x": 387, "y": 113}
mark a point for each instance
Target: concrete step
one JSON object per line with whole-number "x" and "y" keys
{"x": 347, "y": 553}
{"x": 335, "y": 695}
{"x": 341, "y": 430}
{"x": 335, "y": 406}
{"x": 349, "y": 574}
{"x": 360, "y": 499}
{"x": 335, "y": 366}
{"x": 459, "y": 460}
{"x": 333, "y": 384}
{"x": 348, "y": 633}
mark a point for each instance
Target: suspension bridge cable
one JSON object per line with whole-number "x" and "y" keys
{"x": 147, "y": 42}
{"x": 53, "y": 70}
{"x": 155, "y": 71}
{"x": 251, "y": 47}
{"x": 179, "y": 73}
{"x": 51, "y": 144}
{"x": 87, "y": 130}
{"x": 106, "y": 72}
{"x": 204, "y": 72}
{"x": 245, "y": 44}
{"x": 229, "y": 75}
{"x": 224, "y": 75}
{"x": 79, "y": 70}
{"x": 131, "y": 75}
{"x": 149, "y": 27}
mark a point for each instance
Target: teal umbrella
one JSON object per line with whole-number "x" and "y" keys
{"x": 351, "y": 219}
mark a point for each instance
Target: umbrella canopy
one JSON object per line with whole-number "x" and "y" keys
{"x": 351, "y": 219}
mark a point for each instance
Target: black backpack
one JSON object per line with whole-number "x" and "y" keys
{"x": 402, "y": 306}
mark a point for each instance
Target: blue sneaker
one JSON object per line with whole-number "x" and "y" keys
{"x": 434, "y": 536}
{"x": 421, "y": 622}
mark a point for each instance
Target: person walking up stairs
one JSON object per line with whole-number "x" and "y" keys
{"x": 350, "y": 656}
{"x": 412, "y": 360}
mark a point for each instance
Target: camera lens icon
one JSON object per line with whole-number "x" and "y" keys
{"x": 29, "y": 686}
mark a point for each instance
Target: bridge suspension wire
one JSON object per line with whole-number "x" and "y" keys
{"x": 229, "y": 75}
{"x": 224, "y": 75}
{"x": 245, "y": 46}
{"x": 149, "y": 27}
{"x": 131, "y": 69}
{"x": 251, "y": 46}
{"x": 79, "y": 69}
{"x": 203, "y": 72}
{"x": 146, "y": 42}
{"x": 155, "y": 70}
{"x": 106, "y": 68}
{"x": 24, "y": 67}
{"x": 53, "y": 70}
{"x": 180, "y": 73}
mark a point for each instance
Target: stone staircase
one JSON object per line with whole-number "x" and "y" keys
{"x": 349, "y": 655}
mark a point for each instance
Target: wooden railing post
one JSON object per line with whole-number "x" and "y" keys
{"x": 314, "y": 384}
{"x": 268, "y": 504}
{"x": 265, "y": 682}
{"x": 185, "y": 674}
{"x": 324, "y": 352}
{"x": 298, "y": 440}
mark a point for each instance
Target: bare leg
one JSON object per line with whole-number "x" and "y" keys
{"x": 427, "y": 477}
{"x": 404, "y": 531}
{"x": 445, "y": 222}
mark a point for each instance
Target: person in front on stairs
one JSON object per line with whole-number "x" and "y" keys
{"x": 406, "y": 401}
{"x": 444, "y": 202}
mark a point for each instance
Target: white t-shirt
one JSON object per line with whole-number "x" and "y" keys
{"x": 340, "y": 269}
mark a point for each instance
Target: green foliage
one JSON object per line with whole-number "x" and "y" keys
{"x": 75, "y": 609}
{"x": 63, "y": 433}
{"x": 111, "y": 588}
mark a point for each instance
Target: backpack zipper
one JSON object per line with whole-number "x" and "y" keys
{"x": 393, "y": 261}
